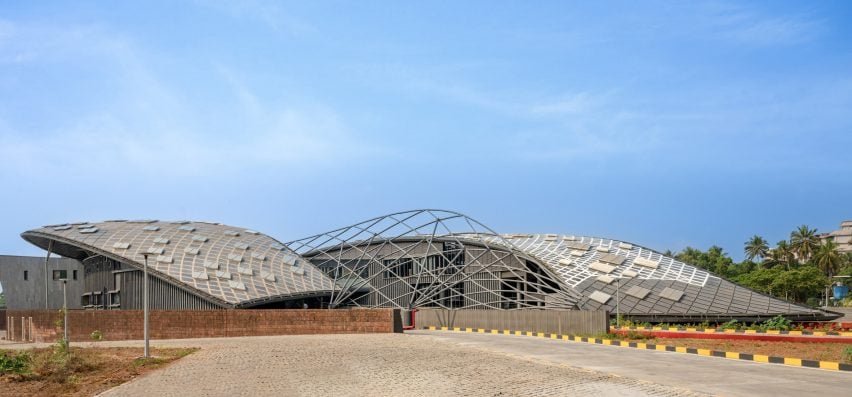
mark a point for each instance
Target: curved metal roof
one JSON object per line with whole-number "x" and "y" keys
{"x": 237, "y": 267}
{"x": 649, "y": 283}
{"x": 233, "y": 266}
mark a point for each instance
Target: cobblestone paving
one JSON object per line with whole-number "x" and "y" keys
{"x": 370, "y": 365}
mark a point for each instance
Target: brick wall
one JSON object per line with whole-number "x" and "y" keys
{"x": 3, "y": 319}
{"x": 180, "y": 324}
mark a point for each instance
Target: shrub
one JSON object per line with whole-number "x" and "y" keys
{"x": 17, "y": 363}
{"x": 733, "y": 324}
{"x": 778, "y": 322}
{"x": 97, "y": 335}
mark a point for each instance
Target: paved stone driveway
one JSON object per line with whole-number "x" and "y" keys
{"x": 370, "y": 365}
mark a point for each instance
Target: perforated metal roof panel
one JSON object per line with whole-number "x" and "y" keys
{"x": 183, "y": 252}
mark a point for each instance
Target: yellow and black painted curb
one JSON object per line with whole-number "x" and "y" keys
{"x": 740, "y": 331}
{"x": 796, "y": 362}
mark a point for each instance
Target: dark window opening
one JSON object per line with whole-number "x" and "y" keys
{"x": 537, "y": 277}
{"x": 402, "y": 267}
{"x": 454, "y": 296}
{"x": 26, "y": 275}
{"x": 454, "y": 252}
{"x": 60, "y": 274}
{"x": 74, "y": 274}
{"x": 419, "y": 291}
{"x": 509, "y": 294}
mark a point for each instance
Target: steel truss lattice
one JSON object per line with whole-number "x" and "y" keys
{"x": 431, "y": 258}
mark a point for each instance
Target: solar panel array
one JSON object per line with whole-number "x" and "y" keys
{"x": 641, "y": 280}
{"x": 234, "y": 265}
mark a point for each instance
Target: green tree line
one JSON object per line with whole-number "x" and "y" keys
{"x": 798, "y": 269}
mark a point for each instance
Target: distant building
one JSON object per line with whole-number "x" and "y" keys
{"x": 24, "y": 282}
{"x": 842, "y": 237}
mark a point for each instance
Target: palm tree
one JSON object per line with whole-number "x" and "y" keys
{"x": 756, "y": 247}
{"x": 828, "y": 259}
{"x": 804, "y": 242}
{"x": 781, "y": 254}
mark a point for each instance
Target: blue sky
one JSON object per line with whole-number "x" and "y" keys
{"x": 662, "y": 123}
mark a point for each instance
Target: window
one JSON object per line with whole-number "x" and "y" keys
{"x": 60, "y": 274}
{"x": 402, "y": 267}
{"x": 458, "y": 295}
{"x": 454, "y": 296}
{"x": 26, "y": 275}
{"x": 74, "y": 274}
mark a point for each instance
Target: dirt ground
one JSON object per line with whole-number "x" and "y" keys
{"x": 835, "y": 352}
{"x": 94, "y": 370}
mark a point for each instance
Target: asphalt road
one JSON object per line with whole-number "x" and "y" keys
{"x": 710, "y": 375}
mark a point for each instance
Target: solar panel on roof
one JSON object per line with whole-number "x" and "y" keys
{"x": 238, "y": 285}
{"x": 121, "y": 246}
{"x": 199, "y": 238}
{"x": 249, "y": 231}
{"x": 61, "y": 228}
{"x": 577, "y": 246}
{"x": 613, "y": 259}
{"x": 200, "y": 275}
{"x": 151, "y": 228}
{"x": 245, "y": 270}
{"x": 671, "y": 294}
{"x": 638, "y": 292}
{"x": 241, "y": 246}
{"x": 600, "y": 297}
{"x": 268, "y": 276}
{"x": 233, "y": 233}
{"x": 602, "y": 267}
{"x": 155, "y": 251}
{"x": 161, "y": 240}
{"x": 186, "y": 228}
{"x": 258, "y": 256}
{"x": 211, "y": 265}
{"x": 605, "y": 279}
{"x": 235, "y": 258}
{"x": 192, "y": 251}
{"x": 645, "y": 262}
{"x": 223, "y": 274}
{"x": 89, "y": 230}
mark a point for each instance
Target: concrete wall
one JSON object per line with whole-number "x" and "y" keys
{"x": 40, "y": 325}
{"x": 29, "y": 294}
{"x": 572, "y": 322}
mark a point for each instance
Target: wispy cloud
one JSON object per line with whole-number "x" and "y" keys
{"x": 750, "y": 25}
{"x": 153, "y": 128}
{"x": 270, "y": 14}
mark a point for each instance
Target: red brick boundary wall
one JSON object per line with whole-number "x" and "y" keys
{"x": 43, "y": 325}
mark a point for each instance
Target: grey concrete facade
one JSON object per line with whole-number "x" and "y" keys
{"x": 23, "y": 281}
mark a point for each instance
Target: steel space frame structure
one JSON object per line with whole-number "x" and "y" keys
{"x": 431, "y": 258}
